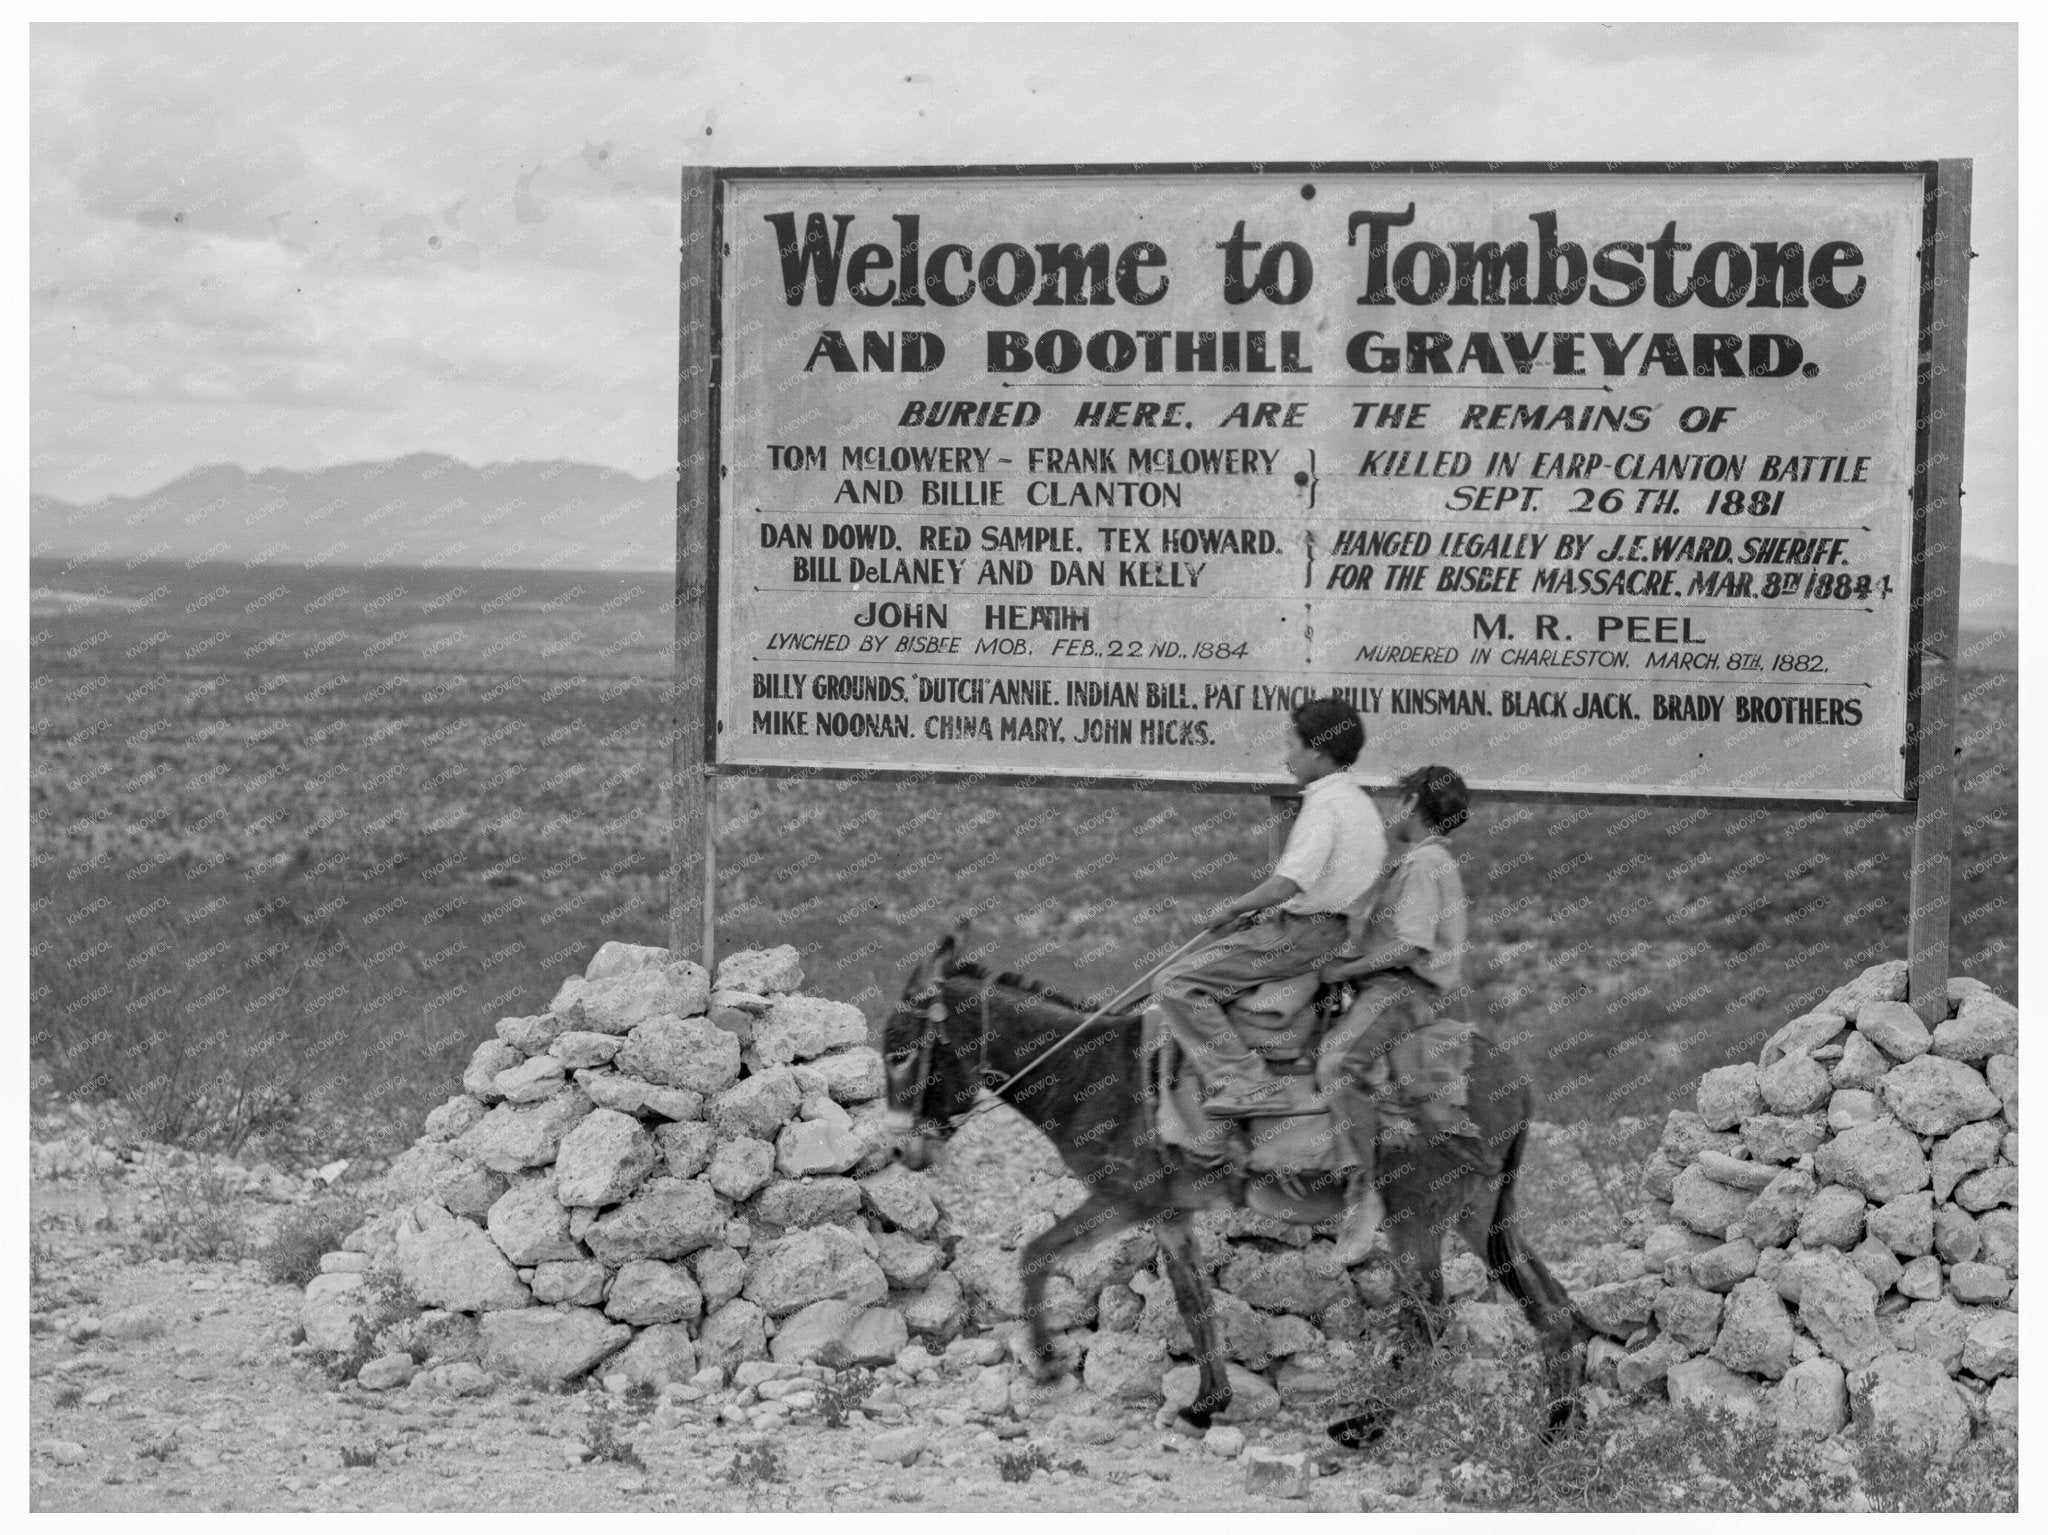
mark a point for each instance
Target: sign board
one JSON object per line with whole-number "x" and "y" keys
{"x": 1582, "y": 480}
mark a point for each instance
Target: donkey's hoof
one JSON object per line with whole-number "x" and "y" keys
{"x": 1196, "y": 1419}
{"x": 1366, "y": 1426}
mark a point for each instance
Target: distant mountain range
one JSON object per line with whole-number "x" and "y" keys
{"x": 426, "y": 509}
{"x": 423, "y": 509}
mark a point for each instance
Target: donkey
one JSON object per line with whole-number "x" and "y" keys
{"x": 959, "y": 1029}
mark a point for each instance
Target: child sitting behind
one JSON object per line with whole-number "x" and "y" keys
{"x": 1414, "y": 949}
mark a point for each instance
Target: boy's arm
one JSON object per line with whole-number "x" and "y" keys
{"x": 1393, "y": 953}
{"x": 1270, "y": 891}
{"x": 1411, "y": 934}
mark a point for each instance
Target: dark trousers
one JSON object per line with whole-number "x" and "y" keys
{"x": 1389, "y": 1006}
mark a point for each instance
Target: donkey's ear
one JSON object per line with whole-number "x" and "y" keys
{"x": 944, "y": 956}
{"x": 958, "y": 937}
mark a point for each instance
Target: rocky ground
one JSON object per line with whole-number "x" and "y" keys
{"x": 161, "y": 1382}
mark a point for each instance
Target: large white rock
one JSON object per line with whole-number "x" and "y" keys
{"x": 582, "y": 1048}
{"x": 758, "y": 1107}
{"x": 1993, "y": 1346}
{"x": 1803, "y": 1035}
{"x": 614, "y": 958}
{"x": 444, "y": 1171}
{"x": 1619, "y": 1309}
{"x": 1794, "y": 1084}
{"x": 1861, "y": 1065}
{"x": 1969, "y": 1150}
{"x": 631, "y": 1095}
{"x": 532, "y": 1036}
{"x": 1707, "y": 1383}
{"x": 547, "y": 1345}
{"x": 681, "y": 1052}
{"x": 579, "y": 1283}
{"x": 513, "y": 1137}
{"x": 660, "y": 1355}
{"x": 852, "y": 1076}
{"x": 1905, "y": 1224}
{"x": 1832, "y": 1218}
{"x": 741, "y": 1168}
{"x": 1939, "y": 1329}
{"x": 1895, "y": 1029}
{"x": 1884, "y": 982}
{"x": 821, "y": 1263}
{"x": 1301, "y": 1281}
{"x": 1985, "y": 1025}
{"x": 621, "y": 1003}
{"x": 668, "y": 1218}
{"x": 937, "y": 1311}
{"x": 1708, "y": 1207}
{"x": 1992, "y": 1187}
{"x": 452, "y": 1118}
{"x": 1813, "y": 1400}
{"x": 1906, "y": 1399}
{"x": 1727, "y": 1094}
{"x": 1782, "y": 1138}
{"x": 530, "y": 1226}
{"x": 789, "y": 1202}
{"x": 605, "y": 1158}
{"x": 1773, "y": 1216}
{"x": 720, "y": 1272}
{"x": 902, "y": 1198}
{"x": 451, "y": 1264}
{"x": 1838, "y": 1310}
{"x": 811, "y": 1147}
{"x": 1691, "y": 1316}
{"x": 1880, "y": 1161}
{"x": 734, "y": 1333}
{"x": 907, "y": 1263}
{"x": 1124, "y": 1367}
{"x": 798, "y": 1028}
{"x": 530, "y": 1081}
{"x": 686, "y": 1147}
{"x": 761, "y": 971}
{"x": 1756, "y": 1332}
{"x": 646, "y": 1291}
{"x": 480, "y": 1079}
{"x": 1932, "y": 1095}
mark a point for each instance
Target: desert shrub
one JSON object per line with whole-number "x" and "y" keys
{"x": 1019, "y": 1465}
{"x": 195, "y": 1213}
{"x": 305, "y": 1235}
{"x": 838, "y": 1397}
{"x": 1480, "y": 1418}
{"x": 602, "y": 1433}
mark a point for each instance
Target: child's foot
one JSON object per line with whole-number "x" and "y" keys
{"x": 1360, "y": 1233}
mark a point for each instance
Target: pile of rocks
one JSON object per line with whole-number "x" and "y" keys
{"x": 1835, "y": 1230}
{"x": 660, "y": 1175}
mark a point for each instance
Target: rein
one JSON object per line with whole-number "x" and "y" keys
{"x": 981, "y": 1074}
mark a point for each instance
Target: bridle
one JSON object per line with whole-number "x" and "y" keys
{"x": 936, "y": 1012}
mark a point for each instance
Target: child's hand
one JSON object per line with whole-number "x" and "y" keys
{"x": 1337, "y": 970}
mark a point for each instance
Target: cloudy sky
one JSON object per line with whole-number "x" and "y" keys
{"x": 310, "y": 245}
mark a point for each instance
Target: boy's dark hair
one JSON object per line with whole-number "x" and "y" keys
{"x": 1332, "y": 727}
{"x": 1440, "y": 797}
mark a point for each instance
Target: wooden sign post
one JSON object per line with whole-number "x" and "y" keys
{"x": 693, "y": 852}
{"x": 1938, "y": 556}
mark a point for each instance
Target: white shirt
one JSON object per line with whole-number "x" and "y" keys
{"x": 1336, "y": 850}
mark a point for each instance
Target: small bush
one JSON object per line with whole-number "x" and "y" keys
{"x": 358, "y": 1456}
{"x": 1018, "y": 1465}
{"x": 838, "y": 1398}
{"x": 755, "y": 1466}
{"x": 197, "y": 1214}
{"x": 305, "y": 1235}
{"x": 69, "y": 1396}
{"x": 601, "y": 1432}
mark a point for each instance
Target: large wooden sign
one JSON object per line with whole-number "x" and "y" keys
{"x": 1579, "y": 479}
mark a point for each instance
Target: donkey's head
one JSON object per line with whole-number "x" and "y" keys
{"x": 927, "y": 1053}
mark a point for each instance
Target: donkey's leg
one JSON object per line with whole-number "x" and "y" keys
{"x": 1547, "y": 1305}
{"x": 1191, "y": 1292}
{"x": 1416, "y": 1238}
{"x": 1096, "y": 1218}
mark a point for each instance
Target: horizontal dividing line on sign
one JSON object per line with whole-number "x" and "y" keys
{"x": 1096, "y": 664}
{"x": 1419, "y": 599}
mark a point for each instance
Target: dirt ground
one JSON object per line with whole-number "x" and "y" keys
{"x": 217, "y": 1412}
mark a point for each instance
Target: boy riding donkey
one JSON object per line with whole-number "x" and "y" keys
{"x": 1302, "y": 916}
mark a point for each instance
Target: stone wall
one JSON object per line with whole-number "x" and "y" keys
{"x": 1833, "y": 1232}
{"x": 659, "y": 1176}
